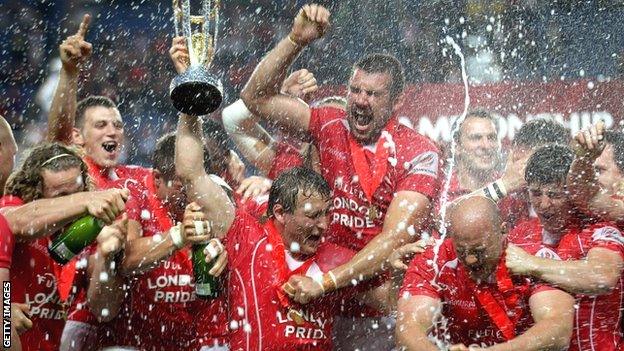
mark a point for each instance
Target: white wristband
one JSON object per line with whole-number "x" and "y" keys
{"x": 234, "y": 115}
{"x": 176, "y": 236}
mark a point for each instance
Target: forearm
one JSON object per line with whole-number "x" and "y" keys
{"x": 414, "y": 339}
{"x": 189, "y": 153}
{"x": 145, "y": 253}
{"x": 105, "y": 293}
{"x": 63, "y": 108}
{"x": 576, "y": 276}
{"x": 548, "y": 334}
{"x": 270, "y": 73}
{"x": 371, "y": 260}
{"x": 45, "y": 216}
{"x": 250, "y": 138}
{"x": 582, "y": 182}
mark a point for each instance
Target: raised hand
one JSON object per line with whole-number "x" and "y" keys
{"x": 179, "y": 54}
{"x": 518, "y": 261}
{"x": 310, "y": 24}
{"x": 589, "y": 142}
{"x": 403, "y": 254}
{"x": 74, "y": 50}
{"x": 299, "y": 83}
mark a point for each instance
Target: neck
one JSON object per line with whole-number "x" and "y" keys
{"x": 473, "y": 179}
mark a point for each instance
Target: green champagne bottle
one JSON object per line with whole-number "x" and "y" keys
{"x": 79, "y": 235}
{"x": 206, "y": 286}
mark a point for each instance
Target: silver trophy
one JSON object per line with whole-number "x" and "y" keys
{"x": 196, "y": 91}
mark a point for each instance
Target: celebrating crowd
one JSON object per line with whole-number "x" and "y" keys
{"x": 349, "y": 238}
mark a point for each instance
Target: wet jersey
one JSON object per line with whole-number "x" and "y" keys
{"x": 401, "y": 160}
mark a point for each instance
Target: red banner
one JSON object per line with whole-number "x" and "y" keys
{"x": 432, "y": 108}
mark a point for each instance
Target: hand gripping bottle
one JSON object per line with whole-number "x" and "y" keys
{"x": 75, "y": 238}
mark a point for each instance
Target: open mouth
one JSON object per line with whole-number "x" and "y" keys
{"x": 110, "y": 146}
{"x": 361, "y": 120}
{"x": 313, "y": 238}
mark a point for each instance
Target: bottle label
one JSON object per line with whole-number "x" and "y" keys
{"x": 203, "y": 289}
{"x": 64, "y": 252}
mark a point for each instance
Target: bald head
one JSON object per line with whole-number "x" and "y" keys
{"x": 469, "y": 216}
{"x": 474, "y": 225}
{"x": 8, "y": 149}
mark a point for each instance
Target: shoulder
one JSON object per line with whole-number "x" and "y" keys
{"x": 327, "y": 117}
{"x": 523, "y": 230}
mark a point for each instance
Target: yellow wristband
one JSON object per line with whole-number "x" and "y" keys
{"x": 292, "y": 41}
{"x": 329, "y": 282}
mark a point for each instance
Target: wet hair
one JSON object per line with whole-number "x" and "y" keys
{"x": 26, "y": 182}
{"x": 541, "y": 131}
{"x": 215, "y": 132}
{"x": 477, "y": 113}
{"x": 91, "y": 101}
{"x": 616, "y": 140}
{"x": 163, "y": 156}
{"x": 292, "y": 182}
{"x": 382, "y": 63}
{"x": 549, "y": 165}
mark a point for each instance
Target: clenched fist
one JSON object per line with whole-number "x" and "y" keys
{"x": 310, "y": 24}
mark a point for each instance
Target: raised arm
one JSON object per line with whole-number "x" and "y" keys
{"x": 583, "y": 181}
{"x": 415, "y": 316}
{"x": 42, "y": 217}
{"x": 262, "y": 92}
{"x": 73, "y": 51}
{"x": 597, "y": 274}
{"x": 553, "y": 312}
{"x": 201, "y": 188}
{"x": 254, "y": 142}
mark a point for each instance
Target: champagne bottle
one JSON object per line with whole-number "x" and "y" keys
{"x": 72, "y": 241}
{"x": 206, "y": 286}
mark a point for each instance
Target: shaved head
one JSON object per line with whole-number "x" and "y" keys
{"x": 469, "y": 216}
{"x": 8, "y": 149}
{"x": 475, "y": 227}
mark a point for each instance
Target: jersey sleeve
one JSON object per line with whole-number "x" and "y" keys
{"x": 319, "y": 117}
{"x": 608, "y": 237}
{"x": 286, "y": 157}
{"x": 422, "y": 168}
{"x": 420, "y": 276}
{"x": 6, "y": 243}
{"x": 241, "y": 237}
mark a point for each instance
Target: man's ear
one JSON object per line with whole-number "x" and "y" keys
{"x": 398, "y": 102}
{"x": 77, "y": 137}
{"x": 504, "y": 228}
{"x": 278, "y": 213}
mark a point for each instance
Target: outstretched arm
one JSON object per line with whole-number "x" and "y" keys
{"x": 553, "y": 313}
{"x": 42, "y": 217}
{"x": 200, "y": 187}
{"x": 73, "y": 51}
{"x": 262, "y": 92}
{"x": 597, "y": 274}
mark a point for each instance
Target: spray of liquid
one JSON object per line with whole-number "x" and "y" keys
{"x": 441, "y": 323}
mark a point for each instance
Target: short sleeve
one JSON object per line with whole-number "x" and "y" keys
{"x": 423, "y": 169}
{"x": 286, "y": 157}
{"x": 319, "y": 117}
{"x": 241, "y": 237}
{"x": 608, "y": 237}
{"x": 420, "y": 273}
{"x": 7, "y": 243}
